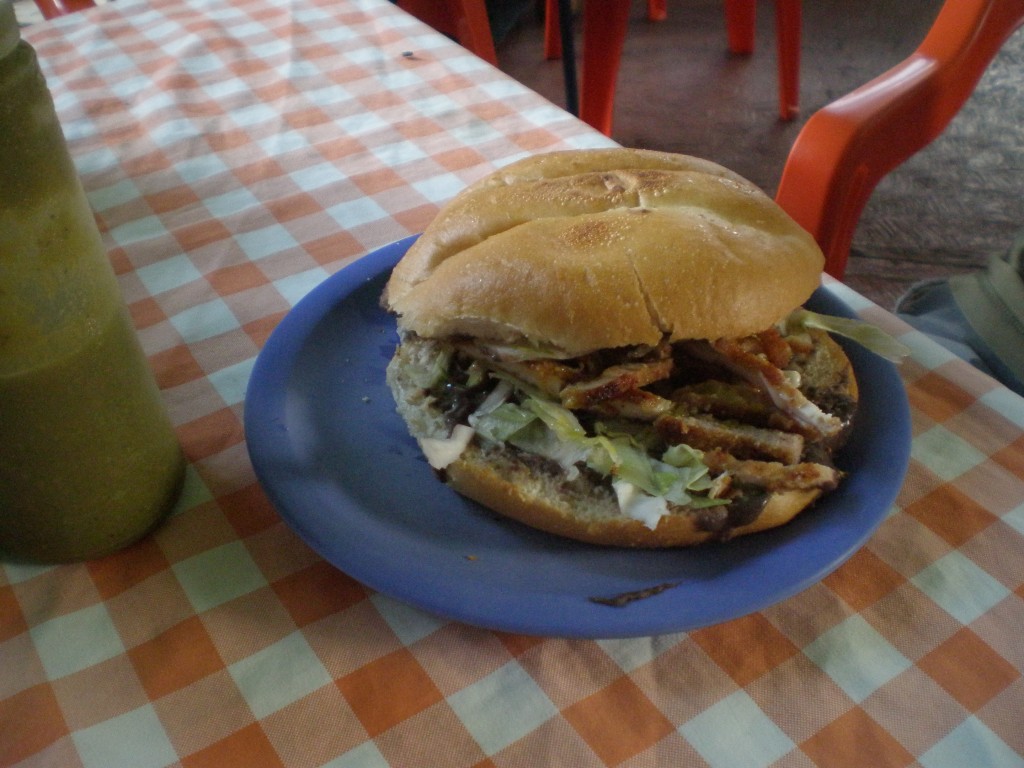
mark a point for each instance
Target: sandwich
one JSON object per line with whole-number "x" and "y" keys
{"x": 610, "y": 345}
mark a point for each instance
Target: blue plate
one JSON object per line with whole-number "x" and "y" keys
{"x": 339, "y": 465}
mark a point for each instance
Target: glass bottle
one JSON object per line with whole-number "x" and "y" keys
{"x": 89, "y": 461}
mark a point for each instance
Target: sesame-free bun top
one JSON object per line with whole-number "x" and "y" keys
{"x": 592, "y": 249}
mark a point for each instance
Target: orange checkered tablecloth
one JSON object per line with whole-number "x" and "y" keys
{"x": 236, "y": 156}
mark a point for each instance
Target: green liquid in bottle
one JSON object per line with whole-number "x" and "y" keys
{"x": 89, "y": 461}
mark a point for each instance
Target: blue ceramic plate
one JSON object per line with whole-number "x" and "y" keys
{"x": 340, "y": 467}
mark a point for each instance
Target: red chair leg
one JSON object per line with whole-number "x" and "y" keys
{"x": 552, "y": 31}
{"x": 787, "y": 31}
{"x": 465, "y": 20}
{"x": 657, "y": 10}
{"x": 604, "y": 34}
{"x": 72, "y": 6}
{"x": 740, "y": 16}
{"x": 473, "y": 29}
{"x": 49, "y": 9}
{"x": 434, "y": 14}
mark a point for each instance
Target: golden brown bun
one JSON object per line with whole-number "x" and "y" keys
{"x": 586, "y": 513}
{"x": 593, "y": 249}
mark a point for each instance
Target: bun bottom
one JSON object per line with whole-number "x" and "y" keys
{"x": 587, "y": 511}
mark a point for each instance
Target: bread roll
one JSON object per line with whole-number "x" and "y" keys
{"x": 597, "y": 249}
{"x": 621, "y": 277}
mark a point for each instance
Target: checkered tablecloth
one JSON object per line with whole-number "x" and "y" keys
{"x": 238, "y": 154}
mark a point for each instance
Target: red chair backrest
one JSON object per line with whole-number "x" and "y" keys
{"x": 847, "y": 147}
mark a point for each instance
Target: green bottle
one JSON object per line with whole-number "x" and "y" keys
{"x": 89, "y": 461}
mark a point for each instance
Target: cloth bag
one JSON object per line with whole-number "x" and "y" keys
{"x": 977, "y": 316}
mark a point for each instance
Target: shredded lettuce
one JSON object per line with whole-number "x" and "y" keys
{"x": 555, "y": 434}
{"x": 497, "y": 398}
{"x": 683, "y": 455}
{"x": 442, "y": 451}
{"x": 426, "y": 371}
{"x": 637, "y": 505}
{"x": 546, "y": 429}
{"x": 520, "y": 352}
{"x": 501, "y": 423}
{"x": 868, "y": 336}
{"x": 542, "y": 441}
{"x": 560, "y": 420}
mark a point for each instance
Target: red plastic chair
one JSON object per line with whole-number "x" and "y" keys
{"x": 847, "y": 147}
{"x": 51, "y": 9}
{"x": 657, "y": 10}
{"x": 604, "y": 34}
{"x": 463, "y": 20}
